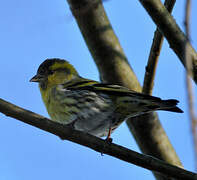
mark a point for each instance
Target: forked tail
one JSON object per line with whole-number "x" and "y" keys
{"x": 170, "y": 105}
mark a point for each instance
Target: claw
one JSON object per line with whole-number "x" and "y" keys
{"x": 108, "y": 140}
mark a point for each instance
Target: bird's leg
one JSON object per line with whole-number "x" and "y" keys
{"x": 109, "y": 139}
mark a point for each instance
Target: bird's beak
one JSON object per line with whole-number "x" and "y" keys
{"x": 37, "y": 78}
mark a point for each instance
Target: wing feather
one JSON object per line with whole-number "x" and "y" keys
{"x": 109, "y": 89}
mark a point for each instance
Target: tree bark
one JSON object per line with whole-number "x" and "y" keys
{"x": 114, "y": 68}
{"x": 97, "y": 144}
{"x": 172, "y": 32}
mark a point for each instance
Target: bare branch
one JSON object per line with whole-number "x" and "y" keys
{"x": 188, "y": 80}
{"x": 154, "y": 54}
{"x": 151, "y": 70}
{"x": 171, "y": 31}
{"x": 97, "y": 144}
{"x": 114, "y": 68}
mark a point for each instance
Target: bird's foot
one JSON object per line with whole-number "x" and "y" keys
{"x": 108, "y": 141}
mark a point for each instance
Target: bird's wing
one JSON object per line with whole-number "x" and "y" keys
{"x": 109, "y": 89}
{"x": 120, "y": 91}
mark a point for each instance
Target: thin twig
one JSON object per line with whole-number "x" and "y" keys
{"x": 154, "y": 54}
{"x": 152, "y": 65}
{"x": 189, "y": 88}
{"x": 172, "y": 32}
{"x": 94, "y": 143}
{"x": 113, "y": 67}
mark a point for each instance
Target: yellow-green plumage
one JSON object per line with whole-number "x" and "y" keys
{"x": 91, "y": 106}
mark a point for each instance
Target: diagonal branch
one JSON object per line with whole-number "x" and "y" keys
{"x": 190, "y": 93}
{"x": 171, "y": 31}
{"x": 151, "y": 70}
{"x": 154, "y": 54}
{"x": 93, "y": 142}
{"x": 114, "y": 68}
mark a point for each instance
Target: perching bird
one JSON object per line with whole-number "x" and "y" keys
{"x": 88, "y": 105}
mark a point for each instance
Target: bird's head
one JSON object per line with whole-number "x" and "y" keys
{"x": 54, "y": 71}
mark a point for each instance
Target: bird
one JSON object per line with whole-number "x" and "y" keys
{"x": 90, "y": 106}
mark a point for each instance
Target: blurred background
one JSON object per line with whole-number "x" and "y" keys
{"x": 32, "y": 31}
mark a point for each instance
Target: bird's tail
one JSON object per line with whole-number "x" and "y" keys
{"x": 170, "y": 105}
